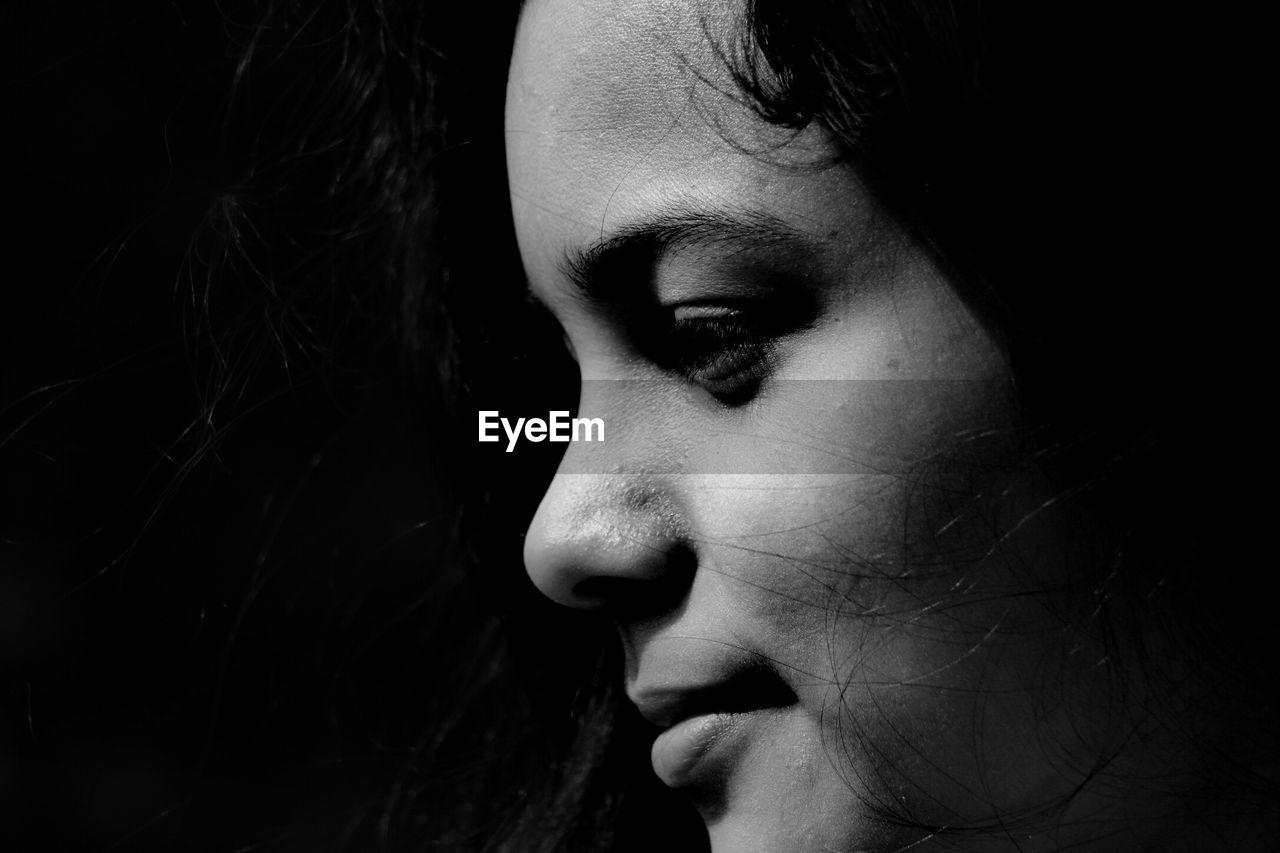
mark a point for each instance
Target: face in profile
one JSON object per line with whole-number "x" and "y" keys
{"x": 842, "y": 598}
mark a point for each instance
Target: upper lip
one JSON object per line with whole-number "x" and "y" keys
{"x": 745, "y": 690}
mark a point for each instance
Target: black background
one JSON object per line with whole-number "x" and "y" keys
{"x": 223, "y": 654}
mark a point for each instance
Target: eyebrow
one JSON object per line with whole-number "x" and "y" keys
{"x": 617, "y": 265}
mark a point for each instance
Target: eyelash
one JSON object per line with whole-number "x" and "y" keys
{"x": 729, "y": 355}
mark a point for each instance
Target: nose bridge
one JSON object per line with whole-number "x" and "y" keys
{"x": 610, "y": 529}
{"x": 622, "y": 427}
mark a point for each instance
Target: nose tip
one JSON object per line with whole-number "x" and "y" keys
{"x": 598, "y": 542}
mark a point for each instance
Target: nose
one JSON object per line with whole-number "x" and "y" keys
{"x": 609, "y": 541}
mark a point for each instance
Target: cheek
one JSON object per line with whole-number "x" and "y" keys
{"x": 915, "y": 620}
{"x": 856, "y": 480}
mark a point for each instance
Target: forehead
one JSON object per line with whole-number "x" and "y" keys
{"x": 609, "y": 69}
{"x": 586, "y": 58}
{"x": 617, "y": 110}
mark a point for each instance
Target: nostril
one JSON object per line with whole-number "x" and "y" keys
{"x": 635, "y": 596}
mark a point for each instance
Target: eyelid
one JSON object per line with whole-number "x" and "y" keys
{"x": 727, "y": 350}
{"x": 691, "y": 311}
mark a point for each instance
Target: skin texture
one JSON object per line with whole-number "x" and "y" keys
{"x": 857, "y": 530}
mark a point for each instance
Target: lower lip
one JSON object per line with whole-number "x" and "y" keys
{"x": 696, "y": 749}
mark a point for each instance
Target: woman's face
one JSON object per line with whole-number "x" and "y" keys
{"x": 807, "y": 517}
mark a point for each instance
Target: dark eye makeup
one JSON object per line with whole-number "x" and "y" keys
{"x": 727, "y": 353}
{"x": 728, "y": 348}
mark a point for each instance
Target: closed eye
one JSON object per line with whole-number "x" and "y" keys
{"x": 726, "y": 349}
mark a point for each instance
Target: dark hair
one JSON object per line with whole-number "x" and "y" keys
{"x": 1032, "y": 151}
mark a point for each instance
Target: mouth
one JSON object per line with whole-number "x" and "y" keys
{"x": 746, "y": 691}
{"x": 705, "y": 725}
